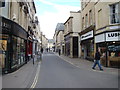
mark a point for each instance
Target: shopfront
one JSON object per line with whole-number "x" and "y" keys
{"x": 67, "y": 45}
{"x": 12, "y": 46}
{"x": 87, "y": 45}
{"x": 109, "y": 43}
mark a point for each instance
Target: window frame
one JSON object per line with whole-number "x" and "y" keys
{"x": 111, "y": 13}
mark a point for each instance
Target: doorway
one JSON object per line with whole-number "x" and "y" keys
{"x": 75, "y": 47}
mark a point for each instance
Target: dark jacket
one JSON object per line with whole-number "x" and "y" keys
{"x": 97, "y": 56}
{"x": 41, "y": 50}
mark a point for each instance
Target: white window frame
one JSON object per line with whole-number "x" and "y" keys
{"x": 116, "y": 19}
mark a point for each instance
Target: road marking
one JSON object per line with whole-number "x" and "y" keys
{"x": 36, "y": 77}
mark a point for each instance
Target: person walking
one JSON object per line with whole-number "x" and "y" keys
{"x": 59, "y": 51}
{"x": 33, "y": 56}
{"x": 41, "y": 50}
{"x": 97, "y": 60}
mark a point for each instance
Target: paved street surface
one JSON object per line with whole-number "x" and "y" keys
{"x": 22, "y": 78}
{"x": 57, "y": 73}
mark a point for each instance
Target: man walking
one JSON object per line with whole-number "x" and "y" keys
{"x": 97, "y": 60}
{"x": 59, "y": 51}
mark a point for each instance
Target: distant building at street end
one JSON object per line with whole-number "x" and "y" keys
{"x": 59, "y": 38}
{"x": 44, "y": 42}
{"x": 50, "y": 45}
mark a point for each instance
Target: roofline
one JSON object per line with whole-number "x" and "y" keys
{"x": 68, "y": 20}
{"x": 58, "y": 32}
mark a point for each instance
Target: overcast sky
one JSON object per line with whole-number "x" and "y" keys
{"x": 51, "y": 12}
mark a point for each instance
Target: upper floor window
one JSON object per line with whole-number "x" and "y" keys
{"x": 115, "y": 13}
{"x": 2, "y": 3}
{"x": 83, "y": 25}
{"x": 86, "y": 21}
{"x": 90, "y": 17}
{"x": 100, "y": 16}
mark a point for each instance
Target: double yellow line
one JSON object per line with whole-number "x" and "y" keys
{"x": 36, "y": 77}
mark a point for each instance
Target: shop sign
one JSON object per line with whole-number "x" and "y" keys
{"x": 113, "y": 36}
{"x": 87, "y": 35}
{"x": 109, "y": 36}
{"x": 100, "y": 38}
{"x": 6, "y": 25}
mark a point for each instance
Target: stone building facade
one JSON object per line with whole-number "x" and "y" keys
{"x": 17, "y": 33}
{"x": 101, "y": 29}
{"x": 71, "y": 34}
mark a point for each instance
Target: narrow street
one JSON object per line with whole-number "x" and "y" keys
{"x": 54, "y": 72}
{"x": 57, "y": 73}
{"x": 59, "y": 44}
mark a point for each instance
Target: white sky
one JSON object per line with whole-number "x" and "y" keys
{"x": 55, "y": 13}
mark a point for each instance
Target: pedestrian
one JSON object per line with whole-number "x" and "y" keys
{"x": 59, "y": 51}
{"x": 97, "y": 60}
{"x": 41, "y": 50}
{"x": 33, "y": 56}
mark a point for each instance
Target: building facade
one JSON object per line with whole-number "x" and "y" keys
{"x": 60, "y": 38}
{"x": 36, "y": 38}
{"x": 16, "y": 37}
{"x": 101, "y": 29}
{"x": 71, "y": 36}
{"x": 88, "y": 28}
{"x": 50, "y": 45}
{"x": 107, "y": 34}
{"x": 44, "y": 42}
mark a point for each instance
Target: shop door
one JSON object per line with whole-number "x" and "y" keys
{"x": 4, "y": 53}
{"x": 75, "y": 47}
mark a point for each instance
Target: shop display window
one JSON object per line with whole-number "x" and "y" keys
{"x": 18, "y": 51}
{"x": 3, "y": 50}
{"x": 15, "y": 55}
{"x": 90, "y": 49}
{"x": 22, "y": 50}
{"x": 113, "y": 53}
{"x": 82, "y": 53}
{"x": 114, "y": 50}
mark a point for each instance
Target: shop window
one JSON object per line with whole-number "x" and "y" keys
{"x": 90, "y": 49}
{"x": 3, "y": 50}
{"x": 114, "y": 50}
{"x": 115, "y": 13}
{"x": 82, "y": 53}
{"x": 14, "y": 60}
{"x": 22, "y": 50}
{"x": 18, "y": 50}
